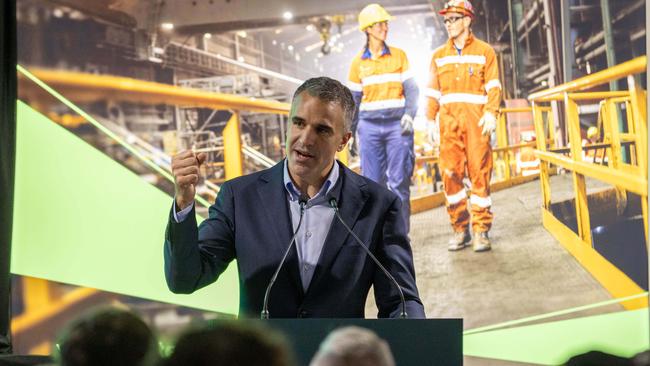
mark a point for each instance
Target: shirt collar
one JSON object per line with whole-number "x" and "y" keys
{"x": 329, "y": 183}
{"x": 367, "y": 54}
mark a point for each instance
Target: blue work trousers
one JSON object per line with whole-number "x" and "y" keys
{"x": 387, "y": 158}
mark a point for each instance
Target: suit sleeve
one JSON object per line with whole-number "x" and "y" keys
{"x": 411, "y": 91}
{"x": 196, "y": 257}
{"x": 432, "y": 91}
{"x": 394, "y": 251}
{"x": 354, "y": 84}
{"x": 492, "y": 83}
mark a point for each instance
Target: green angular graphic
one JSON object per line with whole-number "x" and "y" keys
{"x": 83, "y": 219}
{"x": 622, "y": 333}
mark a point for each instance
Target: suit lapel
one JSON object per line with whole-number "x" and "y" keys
{"x": 278, "y": 216}
{"x": 351, "y": 199}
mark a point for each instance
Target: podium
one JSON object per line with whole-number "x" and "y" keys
{"x": 413, "y": 342}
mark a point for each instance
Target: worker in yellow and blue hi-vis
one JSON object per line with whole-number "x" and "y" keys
{"x": 386, "y": 96}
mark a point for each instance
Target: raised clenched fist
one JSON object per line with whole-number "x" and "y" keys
{"x": 185, "y": 168}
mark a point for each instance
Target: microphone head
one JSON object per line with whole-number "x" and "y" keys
{"x": 302, "y": 200}
{"x": 332, "y": 202}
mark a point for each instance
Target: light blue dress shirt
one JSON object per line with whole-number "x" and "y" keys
{"x": 316, "y": 221}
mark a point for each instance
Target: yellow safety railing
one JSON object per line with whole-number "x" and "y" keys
{"x": 82, "y": 87}
{"x": 85, "y": 88}
{"x": 505, "y": 152}
{"x": 625, "y": 176}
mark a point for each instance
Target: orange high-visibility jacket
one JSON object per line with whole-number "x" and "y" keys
{"x": 467, "y": 81}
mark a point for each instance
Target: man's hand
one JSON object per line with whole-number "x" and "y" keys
{"x": 488, "y": 122}
{"x": 185, "y": 168}
{"x": 407, "y": 124}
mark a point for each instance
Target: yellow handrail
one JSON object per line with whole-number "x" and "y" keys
{"x": 90, "y": 87}
{"x": 586, "y": 96}
{"x": 625, "y": 177}
{"x": 83, "y": 87}
{"x": 635, "y": 66}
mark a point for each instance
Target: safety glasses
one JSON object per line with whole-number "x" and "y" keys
{"x": 452, "y": 20}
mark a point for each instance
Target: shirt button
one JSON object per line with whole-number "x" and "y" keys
{"x": 308, "y": 234}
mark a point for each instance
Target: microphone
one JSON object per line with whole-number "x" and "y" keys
{"x": 302, "y": 201}
{"x": 334, "y": 205}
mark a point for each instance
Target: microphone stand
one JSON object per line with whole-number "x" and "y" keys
{"x": 334, "y": 205}
{"x": 265, "y": 308}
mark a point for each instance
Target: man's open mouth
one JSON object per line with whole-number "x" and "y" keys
{"x": 303, "y": 154}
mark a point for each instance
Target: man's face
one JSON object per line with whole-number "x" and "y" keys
{"x": 455, "y": 23}
{"x": 316, "y": 132}
{"x": 378, "y": 31}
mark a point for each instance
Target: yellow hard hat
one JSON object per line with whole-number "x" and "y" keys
{"x": 591, "y": 132}
{"x": 371, "y": 14}
{"x": 458, "y": 6}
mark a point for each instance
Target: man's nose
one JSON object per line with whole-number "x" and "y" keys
{"x": 307, "y": 136}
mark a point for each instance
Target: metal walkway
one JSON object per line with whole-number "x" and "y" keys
{"x": 527, "y": 272}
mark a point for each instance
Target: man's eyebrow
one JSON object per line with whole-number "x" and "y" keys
{"x": 297, "y": 119}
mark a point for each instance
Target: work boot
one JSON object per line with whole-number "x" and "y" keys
{"x": 481, "y": 242}
{"x": 459, "y": 240}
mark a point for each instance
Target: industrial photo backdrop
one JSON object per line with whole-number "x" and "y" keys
{"x": 109, "y": 90}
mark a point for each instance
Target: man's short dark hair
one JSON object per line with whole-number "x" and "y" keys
{"x": 108, "y": 336}
{"x": 352, "y": 345}
{"x": 229, "y": 343}
{"x": 330, "y": 90}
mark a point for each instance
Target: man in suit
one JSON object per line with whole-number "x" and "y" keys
{"x": 326, "y": 274}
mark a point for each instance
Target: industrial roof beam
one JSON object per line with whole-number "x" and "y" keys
{"x": 198, "y": 17}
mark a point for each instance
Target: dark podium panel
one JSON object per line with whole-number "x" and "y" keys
{"x": 414, "y": 342}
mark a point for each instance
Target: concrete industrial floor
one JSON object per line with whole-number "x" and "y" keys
{"x": 527, "y": 272}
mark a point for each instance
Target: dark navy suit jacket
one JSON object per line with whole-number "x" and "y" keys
{"x": 250, "y": 222}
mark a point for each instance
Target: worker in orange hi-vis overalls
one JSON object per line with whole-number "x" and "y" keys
{"x": 464, "y": 94}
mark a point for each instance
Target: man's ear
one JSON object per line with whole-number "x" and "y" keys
{"x": 344, "y": 141}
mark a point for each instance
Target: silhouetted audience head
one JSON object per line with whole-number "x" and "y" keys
{"x": 641, "y": 359}
{"x": 227, "y": 343}
{"x": 598, "y": 358}
{"x": 108, "y": 336}
{"x": 352, "y": 345}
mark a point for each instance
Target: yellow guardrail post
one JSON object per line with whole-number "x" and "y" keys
{"x": 232, "y": 148}
{"x": 639, "y": 109}
{"x": 612, "y": 136}
{"x": 579, "y": 185}
{"x": 502, "y": 142}
{"x": 611, "y": 133}
{"x": 630, "y": 117}
{"x": 550, "y": 125}
{"x": 544, "y": 177}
